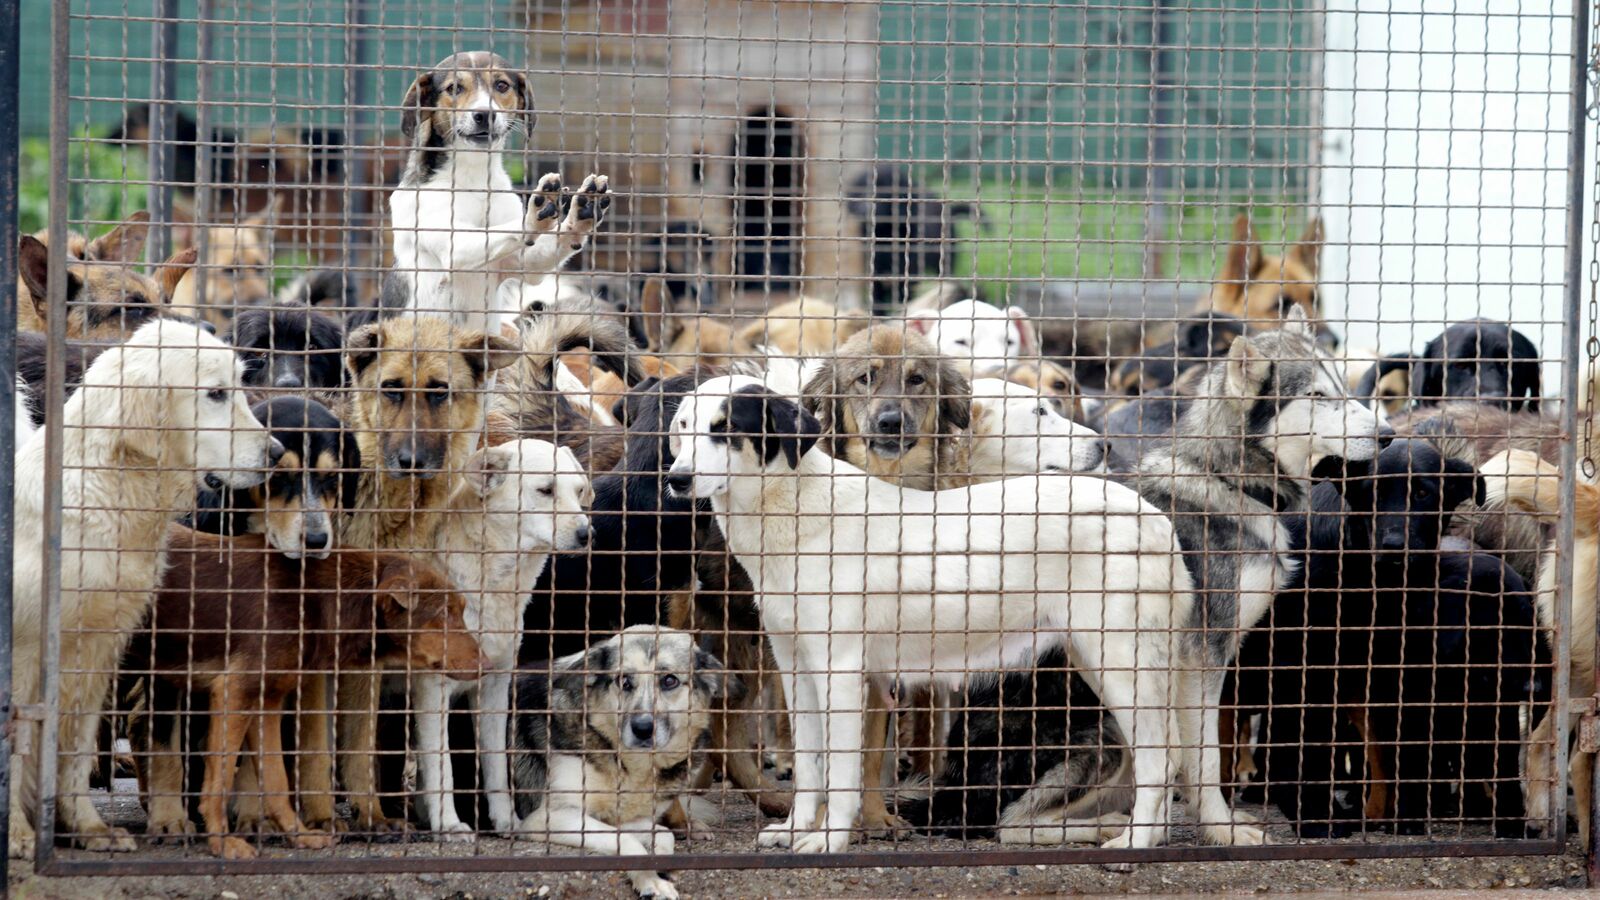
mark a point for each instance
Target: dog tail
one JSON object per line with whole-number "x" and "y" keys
{"x": 950, "y": 809}
{"x": 1521, "y": 480}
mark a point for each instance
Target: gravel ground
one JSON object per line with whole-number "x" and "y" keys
{"x": 734, "y": 834}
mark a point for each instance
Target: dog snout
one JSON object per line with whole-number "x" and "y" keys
{"x": 275, "y": 451}
{"x": 643, "y": 728}
{"x": 889, "y": 421}
{"x": 1386, "y": 436}
{"x": 289, "y": 380}
{"x": 316, "y": 540}
{"x": 679, "y": 482}
{"x": 480, "y": 120}
{"x": 581, "y": 535}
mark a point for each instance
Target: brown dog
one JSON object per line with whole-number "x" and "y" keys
{"x": 1053, "y": 381}
{"x": 418, "y": 415}
{"x": 237, "y": 621}
{"x": 805, "y": 327}
{"x": 1259, "y": 287}
{"x": 235, "y": 263}
{"x": 890, "y": 404}
{"x": 106, "y": 299}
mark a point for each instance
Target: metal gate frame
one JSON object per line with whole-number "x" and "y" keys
{"x": 47, "y": 861}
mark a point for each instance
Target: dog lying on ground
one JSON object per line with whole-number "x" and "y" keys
{"x": 1481, "y": 360}
{"x": 106, "y": 299}
{"x": 605, "y": 742}
{"x": 1519, "y": 479}
{"x": 780, "y": 501}
{"x": 889, "y": 403}
{"x": 517, "y": 503}
{"x": 356, "y": 610}
{"x": 156, "y": 418}
{"x": 290, "y": 348}
{"x": 314, "y": 481}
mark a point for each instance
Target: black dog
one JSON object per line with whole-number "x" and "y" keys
{"x": 1196, "y": 339}
{"x": 1396, "y": 662}
{"x": 1481, "y": 360}
{"x": 910, "y": 230}
{"x": 289, "y": 348}
{"x": 317, "y": 476}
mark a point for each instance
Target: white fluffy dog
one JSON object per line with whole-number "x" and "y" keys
{"x": 1016, "y": 431}
{"x": 859, "y": 579}
{"x": 518, "y": 502}
{"x": 156, "y": 418}
{"x": 978, "y": 336}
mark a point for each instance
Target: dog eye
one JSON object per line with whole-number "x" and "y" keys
{"x": 438, "y": 398}
{"x": 394, "y": 396}
{"x": 866, "y": 378}
{"x": 627, "y": 683}
{"x": 502, "y": 86}
{"x": 452, "y": 89}
{"x": 962, "y": 342}
{"x": 547, "y": 491}
{"x": 1058, "y": 385}
{"x": 669, "y": 682}
{"x": 217, "y": 396}
{"x": 915, "y": 380}
{"x": 1043, "y": 412}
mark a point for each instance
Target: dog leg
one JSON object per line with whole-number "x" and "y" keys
{"x": 550, "y": 249}
{"x": 1538, "y": 773}
{"x": 80, "y": 744}
{"x": 22, "y": 840}
{"x": 1053, "y": 829}
{"x": 806, "y": 724}
{"x": 1140, "y": 700}
{"x": 248, "y": 814}
{"x": 843, "y": 694}
{"x": 733, "y": 731}
{"x": 314, "y": 759}
{"x": 434, "y": 795}
{"x": 1583, "y": 792}
{"x": 568, "y": 827}
{"x": 358, "y": 747}
{"x": 1220, "y": 823}
{"x": 168, "y": 811}
{"x": 875, "y": 816}
{"x": 229, "y": 730}
{"x": 494, "y": 712}
{"x": 275, "y": 787}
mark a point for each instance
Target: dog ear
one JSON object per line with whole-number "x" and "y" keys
{"x": 652, "y": 312}
{"x": 1308, "y": 252}
{"x": 486, "y": 352}
{"x": 955, "y": 398}
{"x": 1295, "y": 321}
{"x": 172, "y": 271}
{"x": 922, "y": 322}
{"x": 713, "y": 679}
{"x": 1428, "y": 385}
{"x": 795, "y": 430}
{"x": 361, "y": 348}
{"x": 1461, "y": 483}
{"x": 1027, "y": 335}
{"x": 519, "y": 81}
{"x": 419, "y": 97}
{"x": 33, "y": 264}
{"x": 487, "y": 470}
{"x": 594, "y": 667}
{"x": 982, "y": 414}
{"x": 124, "y": 243}
{"x": 350, "y": 463}
{"x": 263, "y": 218}
{"x": 1246, "y": 369}
{"x": 1244, "y": 260}
{"x": 1526, "y": 379}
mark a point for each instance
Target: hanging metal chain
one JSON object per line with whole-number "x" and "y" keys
{"x": 1592, "y": 346}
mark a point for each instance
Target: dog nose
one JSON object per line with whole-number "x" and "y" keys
{"x": 889, "y": 422}
{"x": 581, "y": 535}
{"x": 288, "y": 380}
{"x": 275, "y": 451}
{"x": 680, "y": 482}
{"x": 1386, "y": 436}
{"x": 316, "y": 540}
{"x": 643, "y": 727}
{"x": 407, "y": 458}
{"x": 1392, "y": 542}
{"x": 480, "y": 120}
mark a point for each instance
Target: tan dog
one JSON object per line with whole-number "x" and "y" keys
{"x": 1259, "y": 287}
{"x": 106, "y": 299}
{"x": 805, "y": 327}
{"x": 682, "y": 337}
{"x": 418, "y": 415}
{"x": 1053, "y": 381}
{"x": 236, "y": 263}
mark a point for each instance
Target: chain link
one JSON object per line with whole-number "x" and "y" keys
{"x": 1592, "y": 345}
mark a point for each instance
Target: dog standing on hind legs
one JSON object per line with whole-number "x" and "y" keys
{"x": 156, "y": 418}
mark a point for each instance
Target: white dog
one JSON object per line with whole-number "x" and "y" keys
{"x": 1000, "y": 571}
{"x": 518, "y": 503}
{"x": 155, "y": 419}
{"x": 460, "y": 231}
{"x": 978, "y": 336}
{"x": 1016, "y": 431}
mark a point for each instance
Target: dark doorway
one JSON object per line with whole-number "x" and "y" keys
{"x": 767, "y": 181}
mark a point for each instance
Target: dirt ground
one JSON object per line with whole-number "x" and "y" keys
{"x": 735, "y": 834}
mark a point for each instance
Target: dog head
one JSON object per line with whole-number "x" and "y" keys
{"x": 732, "y": 426}
{"x": 172, "y": 397}
{"x": 646, "y": 689}
{"x": 1261, "y": 288}
{"x": 976, "y": 334}
{"x": 1386, "y": 385}
{"x": 1289, "y": 394}
{"x": 1051, "y": 381}
{"x": 1482, "y": 360}
{"x": 236, "y": 264}
{"x": 421, "y": 384}
{"x": 422, "y": 614}
{"x": 1413, "y": 492}
{"x": 892, "y": 389}
{"x": 471, "y": 99}
{"x": 289, "y": 348}
{"x": 535, "y": 489}
{"x": 316, "y": 477}
{"x": 1019, "y": 428}
{"x": 106, "y": 299}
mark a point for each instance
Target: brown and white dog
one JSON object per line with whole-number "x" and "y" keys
{"x": 1261, "y": 288}
{"x": 106, "y": 299}
{"x": 236, "y": 261}
{"x": 463, "y": 241}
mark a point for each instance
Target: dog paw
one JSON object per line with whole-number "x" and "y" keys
{"x": 313, "y": 840}
{"x": 780, "y": 835}
{"x": 231, "y": 848}
{"x": 1240, "y": 834}
{"x": 455, "y": 833}
{"x": 655, "y": 886}
{"x": 828, "y": 841}
{"x": 22, "y": 844}
{"x": 661, "y": 841}
{"x": 587, "y": 207}
{"x": 882, "y": 823}
{"x": 175, "y": 830}
{"x": 110, "y": 840}
{"x": 545, "y": 206}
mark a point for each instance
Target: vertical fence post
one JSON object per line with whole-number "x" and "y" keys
{"x": 10, "y": 145}
{"x": 1159, "y": 153}
{"x": 163, "y": 127}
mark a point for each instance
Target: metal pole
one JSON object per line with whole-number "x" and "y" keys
{"x": 10, "y": 141}
{"x": 363, "y": 138}
{"x": 204, "y": 152}
{"x": 163, "y": 127}
{"x": 55, "y": 391}
{"x": 1160, "y": 158}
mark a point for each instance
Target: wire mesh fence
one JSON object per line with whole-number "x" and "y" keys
{"x": 900, "y": 433}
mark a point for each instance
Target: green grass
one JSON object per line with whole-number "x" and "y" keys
{"x": 107, "y": 184}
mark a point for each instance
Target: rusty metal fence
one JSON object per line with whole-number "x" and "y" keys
{"x": 646, "y": 435}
